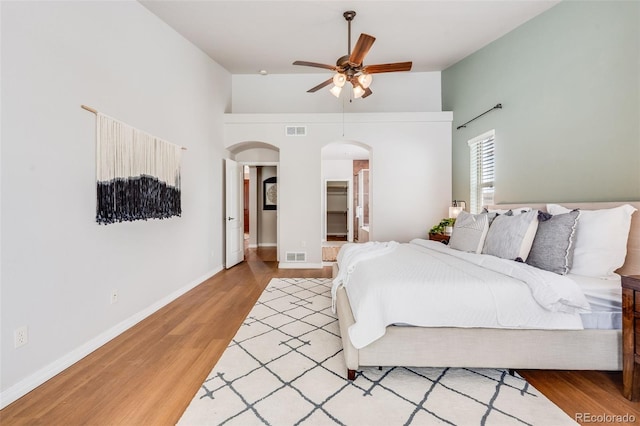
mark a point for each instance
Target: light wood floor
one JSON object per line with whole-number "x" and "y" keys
{"x": 149, "y": 374}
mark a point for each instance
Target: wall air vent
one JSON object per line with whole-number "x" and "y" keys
{"x": 295, "y": 130}
{"x": 293, "y": 256}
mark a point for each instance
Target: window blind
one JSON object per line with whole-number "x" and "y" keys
{"x": 482, "y": 171}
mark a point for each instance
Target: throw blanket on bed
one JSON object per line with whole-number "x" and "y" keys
{"x": 351, "y": 254}
{"x": 425, "y": 283}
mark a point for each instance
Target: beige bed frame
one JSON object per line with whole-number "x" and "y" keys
{"x": 496, "y": 348}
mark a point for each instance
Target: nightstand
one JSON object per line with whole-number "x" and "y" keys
{"x": 631, "y": 337}
{"x": 443, "y": 238}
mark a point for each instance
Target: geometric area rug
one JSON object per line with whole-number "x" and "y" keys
{"x": 285, "y": 367}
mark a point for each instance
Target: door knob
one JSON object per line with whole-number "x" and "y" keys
{"x": 230, "y": 218}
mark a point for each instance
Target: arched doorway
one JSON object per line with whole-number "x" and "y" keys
{"x": 345, "y": 195}
{"x": 259, "y": 161}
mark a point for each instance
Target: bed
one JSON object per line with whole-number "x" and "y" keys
{"x": 568, "y": 348}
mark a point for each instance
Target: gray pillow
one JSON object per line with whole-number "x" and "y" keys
{"x": 469, "y": 232}
{"x": 552, "y": 248}
{"x": 511, "y": 237}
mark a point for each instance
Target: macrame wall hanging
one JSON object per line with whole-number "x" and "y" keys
{"x": 137, "y": 175}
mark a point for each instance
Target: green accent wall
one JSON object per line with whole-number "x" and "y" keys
{"x": 569, "y": 83}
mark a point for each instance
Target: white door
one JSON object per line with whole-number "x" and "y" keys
{"x": 233, "y": 213}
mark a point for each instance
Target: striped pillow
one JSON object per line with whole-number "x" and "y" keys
{"x": 469, "y": 232}
{"x": 511, "y": 237}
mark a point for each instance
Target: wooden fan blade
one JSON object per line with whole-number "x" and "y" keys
{"x": 397, "y": 66}
{"x": 315, "y": 64}
{"x": 361, "y": 49}
{"x": 320, "y": 86}
{"x": 366, "y": 93}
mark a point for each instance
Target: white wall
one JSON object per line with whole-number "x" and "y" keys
{"x": 337, "y": 169}
{"x": 414, "y": 154}
{"x": 284, "y": 93}
{"x": 410, "y": 171}
{"x": 58, "y": 265}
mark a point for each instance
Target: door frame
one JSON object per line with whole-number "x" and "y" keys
{"x": 256, "y": 206}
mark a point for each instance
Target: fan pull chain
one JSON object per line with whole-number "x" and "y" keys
{"x": 343, "y": 117}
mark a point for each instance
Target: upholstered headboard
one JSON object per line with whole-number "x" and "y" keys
{"x": 632, "y": 262}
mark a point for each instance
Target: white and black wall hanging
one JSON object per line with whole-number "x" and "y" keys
{"x": 137, "y": 175}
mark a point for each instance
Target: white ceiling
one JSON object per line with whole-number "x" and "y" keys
{"x": 248, "y": 36}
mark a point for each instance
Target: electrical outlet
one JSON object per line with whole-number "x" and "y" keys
{"x": 20, "y": 336}
{"x": 114, "y": 296}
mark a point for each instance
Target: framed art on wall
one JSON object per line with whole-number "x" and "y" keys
{"x": 270, "y": 193}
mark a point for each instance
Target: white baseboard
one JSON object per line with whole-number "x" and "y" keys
{"x": 267, "y": 245}
{"x": 299, "y": 265}
{"x": 31, "y": 382}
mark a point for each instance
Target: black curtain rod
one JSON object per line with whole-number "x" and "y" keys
{"x": 498, "y": 106}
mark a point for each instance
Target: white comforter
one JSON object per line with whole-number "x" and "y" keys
{"x": 425, "y": 283}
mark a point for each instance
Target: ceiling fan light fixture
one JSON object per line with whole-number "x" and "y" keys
{"x": 339, "y": 79}
{"x": 365, "y": 80}
{"x": 351, "y": 68}
{"x": 357, "y": 92}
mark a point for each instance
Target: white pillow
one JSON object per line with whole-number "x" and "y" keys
{"x": 469, "y": 232}
{"x": 511, "y": 237}
{"x": 601, "y": 239}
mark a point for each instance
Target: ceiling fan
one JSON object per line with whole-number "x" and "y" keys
{"x": 350, "y": 68}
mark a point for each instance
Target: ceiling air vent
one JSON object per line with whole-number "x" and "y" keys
{"x": 295, "y": 130}
{"x": 293, "y": 256}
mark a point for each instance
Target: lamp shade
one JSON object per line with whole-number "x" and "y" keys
{"x": 358, "y": 92}
{"x": 365, "y": 80}
{"x": 339, "y": 79}
{"x": 454, "y": 211}
{"x": 456, "y": 207}
{"x": 335, "y": 91}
